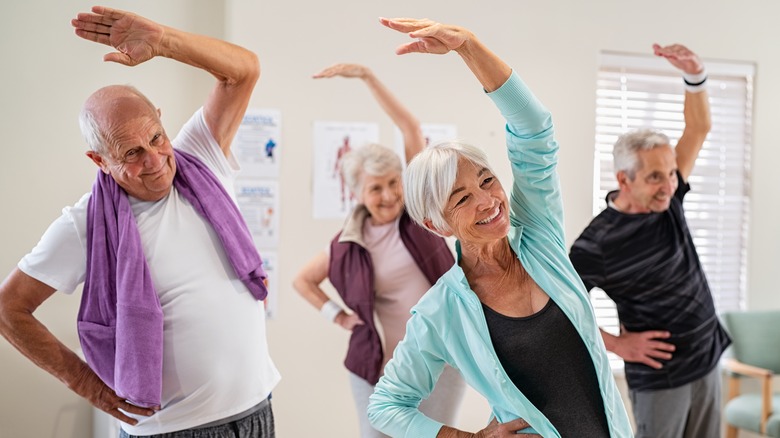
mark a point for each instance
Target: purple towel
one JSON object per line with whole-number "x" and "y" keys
{"x": 120, "y": 321}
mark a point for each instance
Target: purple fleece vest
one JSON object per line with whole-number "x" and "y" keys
{"x": 120, "y": 321}
{"x": 352, "y": 274}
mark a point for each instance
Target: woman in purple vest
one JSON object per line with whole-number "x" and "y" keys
{"x": 380, "y": 263}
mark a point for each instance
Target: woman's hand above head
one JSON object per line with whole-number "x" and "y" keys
{"x": 438, "y": 38}
{"x": 432, "y": 37}
{"x": 414, "y": 140}
{"x": 345, "y": 71}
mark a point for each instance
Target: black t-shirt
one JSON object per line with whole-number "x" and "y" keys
{"x": 647, "y": 264}
{"x": 548, "y": 362}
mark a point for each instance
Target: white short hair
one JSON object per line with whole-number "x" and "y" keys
{"x": 625, "y": 153}
{"x": 429, "y": 180}
{"x": 372, "y": 159}
{"x": 91, "y": 131}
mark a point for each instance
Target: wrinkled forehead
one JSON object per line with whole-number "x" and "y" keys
{"x": 128, "y": 122}
{"x": 383, "y": 178}
{"x": 126, "y": 108}
{"x": 658, "y": 158}
{"x": 469, "y": 168}
{"x": 118, "y": 102}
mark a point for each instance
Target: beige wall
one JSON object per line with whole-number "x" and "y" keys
{"x": 47, "y": 73}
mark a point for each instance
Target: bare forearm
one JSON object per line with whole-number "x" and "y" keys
{"x": 408, "y": 124}
{"x": 20, "y": 296}
{"x": 138, "y": 40}
{"x": 490, "y": 70}
{"x": 389, "y": 103}
{"x": 236, "y": 69}
{"x": 309, "y": 278}
{"x": 609, "y": 340}
{"x": 229, "y": 63}
{"x": 311, "y": 292}
{"x": 39, "y": 345}
{"x": 697, "y": 126}
{"x": 697, "y": 114}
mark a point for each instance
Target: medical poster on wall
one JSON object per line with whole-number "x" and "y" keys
{"x": 433, "y": 133}
{"x": 258, "y": 201}
{"x": 332, "y": 140}
{"x": 257, "y": 145}
{"x": 270, "y": 266}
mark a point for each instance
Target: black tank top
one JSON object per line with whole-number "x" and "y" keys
{"x": 548, "y": 362}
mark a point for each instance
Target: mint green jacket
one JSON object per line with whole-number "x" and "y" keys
{"x": 448, "y": 325}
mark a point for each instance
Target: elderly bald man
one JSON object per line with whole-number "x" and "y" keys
{"x": 171, "y": 320}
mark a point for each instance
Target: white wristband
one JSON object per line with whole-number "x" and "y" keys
{"x": 695, "y": 82}
{"x": 330, "y": 310}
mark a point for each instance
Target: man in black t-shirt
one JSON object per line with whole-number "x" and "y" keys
{"x": 640, "y": 252}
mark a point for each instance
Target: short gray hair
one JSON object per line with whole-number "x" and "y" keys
{"x": 372, "y": 159}
{"x": 90, "y": 128}
{"x": 91, "y": 131}
{"x": 625, "y": 153}
{"x": 429, "y": 180}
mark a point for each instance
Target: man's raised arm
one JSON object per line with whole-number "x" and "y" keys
{"x": 138, "y": 39}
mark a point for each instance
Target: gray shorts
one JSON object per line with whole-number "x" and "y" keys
{"x": 257, "y": 422}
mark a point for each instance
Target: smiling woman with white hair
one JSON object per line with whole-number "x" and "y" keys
{"x": 512, "y": 315}
{"x": 381, "y": 262}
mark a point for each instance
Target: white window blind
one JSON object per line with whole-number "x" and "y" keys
{"x": 647, "y": 92}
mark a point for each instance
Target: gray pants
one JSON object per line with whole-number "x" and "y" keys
{"x": 258, "y": 423}
{"x": 688, "y": 411}
{"x": 442, "y": 405}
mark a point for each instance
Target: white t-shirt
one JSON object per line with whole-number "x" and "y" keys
{"x": 215, "y": 353}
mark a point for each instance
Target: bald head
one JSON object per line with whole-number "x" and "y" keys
{"x": 107, "y": 109}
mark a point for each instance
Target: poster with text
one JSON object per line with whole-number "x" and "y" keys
{"x": 332, "y": 199}
{"x": 258, "y": 201}
{"x": 257, "y": 145}
{"x": 271, "y": 269}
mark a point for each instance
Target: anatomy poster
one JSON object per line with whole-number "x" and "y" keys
{"x": 270, "y": 266}
{"x": 332, "y": 140}
{"x": 433, "y": 133}
{"x": 257, "y": 145}
{"x": 258, "y": 201}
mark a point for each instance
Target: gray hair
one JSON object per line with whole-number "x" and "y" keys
{"x": 90, "y": 128}
{"x": 91, "y": 131}
{"x": 429, "y": 180}
{"x": 625, "y": 153}
{"x": 371, "y": 159}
